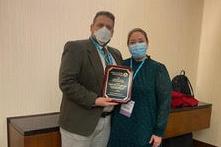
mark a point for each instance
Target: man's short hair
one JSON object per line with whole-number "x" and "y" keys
{"x": 105, "y": 13}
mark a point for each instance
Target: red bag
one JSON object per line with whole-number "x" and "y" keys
{"x": 181, "y": 100}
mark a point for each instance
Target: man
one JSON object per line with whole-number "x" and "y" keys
{"x": 84, "y": 113}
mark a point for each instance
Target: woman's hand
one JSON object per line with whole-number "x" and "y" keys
{"x": 155, "y": 140}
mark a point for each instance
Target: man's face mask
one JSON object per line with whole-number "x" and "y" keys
{"x": 138, "y": 50}
{"x": 103, "y": 35}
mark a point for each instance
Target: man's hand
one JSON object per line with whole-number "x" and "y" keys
{"x": 103, "y": 101}
{"x": 155, "y": 140}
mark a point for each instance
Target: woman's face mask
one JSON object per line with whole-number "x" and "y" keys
{"x": 138, "y": 50}
{"x": 102, "y": 35}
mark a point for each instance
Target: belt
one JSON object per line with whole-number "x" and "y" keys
{"x": 104, "y": 114}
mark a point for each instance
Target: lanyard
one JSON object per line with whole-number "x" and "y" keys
{"x": 107, "y": 57}
{"x": 138, "y": 69}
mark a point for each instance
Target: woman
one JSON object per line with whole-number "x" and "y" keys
{"x": 142, "y": 121}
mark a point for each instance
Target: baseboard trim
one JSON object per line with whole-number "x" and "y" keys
{"x": 197, "y": 143}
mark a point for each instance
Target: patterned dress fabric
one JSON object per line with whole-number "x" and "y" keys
{"x": 151, "y": 92}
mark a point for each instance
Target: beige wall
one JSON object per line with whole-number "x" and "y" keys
{"x": 208, "y": 83}
{"x": 33, "y": 33}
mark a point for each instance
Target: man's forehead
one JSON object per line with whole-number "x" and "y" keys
{"x": 103, "y": 18}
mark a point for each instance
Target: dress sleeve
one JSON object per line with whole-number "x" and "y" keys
{"x": 163, "y": 95}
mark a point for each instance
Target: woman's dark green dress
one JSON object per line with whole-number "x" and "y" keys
{"x": 152, "y": 93}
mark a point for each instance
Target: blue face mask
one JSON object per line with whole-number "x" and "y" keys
{"x": 138, "y": 50}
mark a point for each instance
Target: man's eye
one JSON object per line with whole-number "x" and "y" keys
{"x": 100, "y": 25}
{"x": 109, "y": 28}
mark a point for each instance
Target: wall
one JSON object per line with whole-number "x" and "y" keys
{"x": 208, "y": 83}
{"x": 33, "y": 33}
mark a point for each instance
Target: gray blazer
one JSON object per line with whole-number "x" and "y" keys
{"x": 80, "y": 80}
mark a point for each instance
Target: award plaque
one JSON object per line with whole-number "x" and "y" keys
{"x": 118, "y": 83}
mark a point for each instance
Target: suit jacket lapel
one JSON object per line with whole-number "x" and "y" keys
{"x": 95, "y": 61}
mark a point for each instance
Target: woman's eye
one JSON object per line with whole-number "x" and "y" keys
{"x": 141, "y": 41}
{"x": 132, "y": 43}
